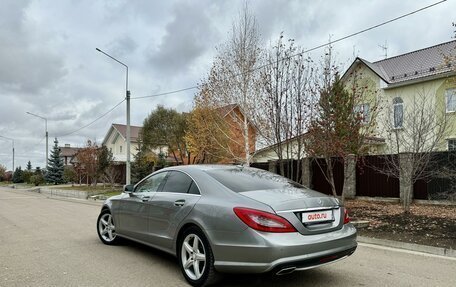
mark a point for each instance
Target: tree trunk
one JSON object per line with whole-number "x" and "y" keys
{"x": 349, "y": 187}
{"x": 246, "y": 141}
{"x": 282, "y": 167}
{"x": 329, "y": 169}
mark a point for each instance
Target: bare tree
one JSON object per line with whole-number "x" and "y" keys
{"x": 344, "y": 121}
{"x": 111, "y": 174}
{"x": 415, "y": 129}
{"x": 234, "y": 78}
{"x": 287, "y": 101}
{"x": 454, "y": 25}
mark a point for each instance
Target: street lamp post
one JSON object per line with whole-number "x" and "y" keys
{"x": 46, "y": 129}
{"x": 12, "y": 140}
{"x": 127, "y": 98}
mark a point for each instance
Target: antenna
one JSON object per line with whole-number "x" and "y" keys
{"x": 355, "y": 52}
{"x": 385, "y": 49}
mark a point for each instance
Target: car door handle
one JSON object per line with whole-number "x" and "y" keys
{"x": 179, "y": 202}
{"x": 145, "y": 198}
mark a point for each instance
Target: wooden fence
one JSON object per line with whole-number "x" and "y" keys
{"x": 370, "y": 182}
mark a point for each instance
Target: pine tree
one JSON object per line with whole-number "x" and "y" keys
{"x": 17, "y": 175}
{"x": 29, "y": 166}
{"x": 140, "y": 167}
{"x": 55, "y": 166}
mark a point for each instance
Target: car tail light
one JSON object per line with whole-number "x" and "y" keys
{"x": 263, "y": 221}
{"x": 346, "y": 217}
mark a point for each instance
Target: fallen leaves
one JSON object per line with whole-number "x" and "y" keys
{"x": 433, "y": 225}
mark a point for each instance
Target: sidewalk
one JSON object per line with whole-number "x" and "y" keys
{"x": 409, "y": 246}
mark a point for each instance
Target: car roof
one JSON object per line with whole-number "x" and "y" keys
{"x": 204, "y": 167}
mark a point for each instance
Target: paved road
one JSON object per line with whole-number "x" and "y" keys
{"x": 50, "y": 242}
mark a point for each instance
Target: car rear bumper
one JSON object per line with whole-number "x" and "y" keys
{"x": 259, "y": 252}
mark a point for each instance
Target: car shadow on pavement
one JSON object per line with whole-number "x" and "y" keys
{"x": 313, "y": 277}
{"x": 153, "y": 253}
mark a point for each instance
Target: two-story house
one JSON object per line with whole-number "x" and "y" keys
{"x": 396, "y": 85}
{"x": 412, "y": 89}
{"x": 234, "y": 116}
{"x": 116, "y": 141}
{"x": 67, "y": 154}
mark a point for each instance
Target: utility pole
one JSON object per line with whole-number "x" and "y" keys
{"x": 46, "y": 130}
{"x": 128, "y": 136}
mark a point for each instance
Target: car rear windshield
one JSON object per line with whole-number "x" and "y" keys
{"x": 249, "y": 179}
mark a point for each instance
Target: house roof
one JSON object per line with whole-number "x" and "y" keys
{"x": 434, "y": 61}
{"x": 135, "y": 131}
{"x": 225, "y": 110}
{"x": 266, "y": 148}
{"x": 68, "y": 151}
{"x": 368, "y": 140}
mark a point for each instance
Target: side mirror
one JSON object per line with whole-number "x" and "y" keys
{"x": 128, "y": 188}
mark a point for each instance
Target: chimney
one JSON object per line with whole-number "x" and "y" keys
{"x": 67, "y": 145}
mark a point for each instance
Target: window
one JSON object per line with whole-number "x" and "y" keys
{"x": 398, "y": 113}
{"x": 246, "y": 179}
{"x": 193, "y": 189}
{"x": 452, "y": 144}
{"x": 450, "y": 95}
{"x": 120, "y": 149}
{"x": 177, "y": 182}
{"x": 363, "y": 111}
{"x": 151, "y": 184}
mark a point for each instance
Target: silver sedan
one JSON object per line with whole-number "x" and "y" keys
{"x": 235, "y": 219}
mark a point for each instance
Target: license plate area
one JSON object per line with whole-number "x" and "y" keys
{"x": 317, "y": 216}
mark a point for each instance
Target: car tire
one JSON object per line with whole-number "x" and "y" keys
{"x": 106, "y": 229}
{"x": 196, "y": 259}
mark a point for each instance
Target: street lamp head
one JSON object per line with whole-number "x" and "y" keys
{"x": 98, "y": 49}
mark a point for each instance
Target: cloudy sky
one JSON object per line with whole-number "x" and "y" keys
{"x": 49, "y": 65}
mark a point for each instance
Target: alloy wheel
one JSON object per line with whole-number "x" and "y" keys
{"x": 106, "y": 228}
{"x": 193, "y": 256}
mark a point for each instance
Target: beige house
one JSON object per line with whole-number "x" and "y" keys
{"x": 115, "y": 141}
{"x": 289, "y": 151}
{"x": 403, "y": 85}
{"x": 396, "y": 85}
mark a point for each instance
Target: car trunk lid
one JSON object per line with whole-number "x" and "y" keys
{"x": 310, "y": 212}
{"x": 291, "y": 198}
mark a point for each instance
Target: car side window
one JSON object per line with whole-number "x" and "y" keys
{"x": 193, "y": 188}
{"x": 177, "y": 182}
{"x": 152, "y": 183}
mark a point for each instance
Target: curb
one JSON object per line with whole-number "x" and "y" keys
{"x": 76, "y": 200}
{"x": 447, "y": 252}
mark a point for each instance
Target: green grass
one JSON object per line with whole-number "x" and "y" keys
{"x": 109, "y": 194}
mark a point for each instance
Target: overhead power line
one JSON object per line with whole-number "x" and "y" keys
{"x": 308, "y": 50}
{"x": 98, "y": 118}
{"x": 166, "y": 93}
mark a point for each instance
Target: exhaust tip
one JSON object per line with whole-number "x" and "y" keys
{"x": 287, "y": 270}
